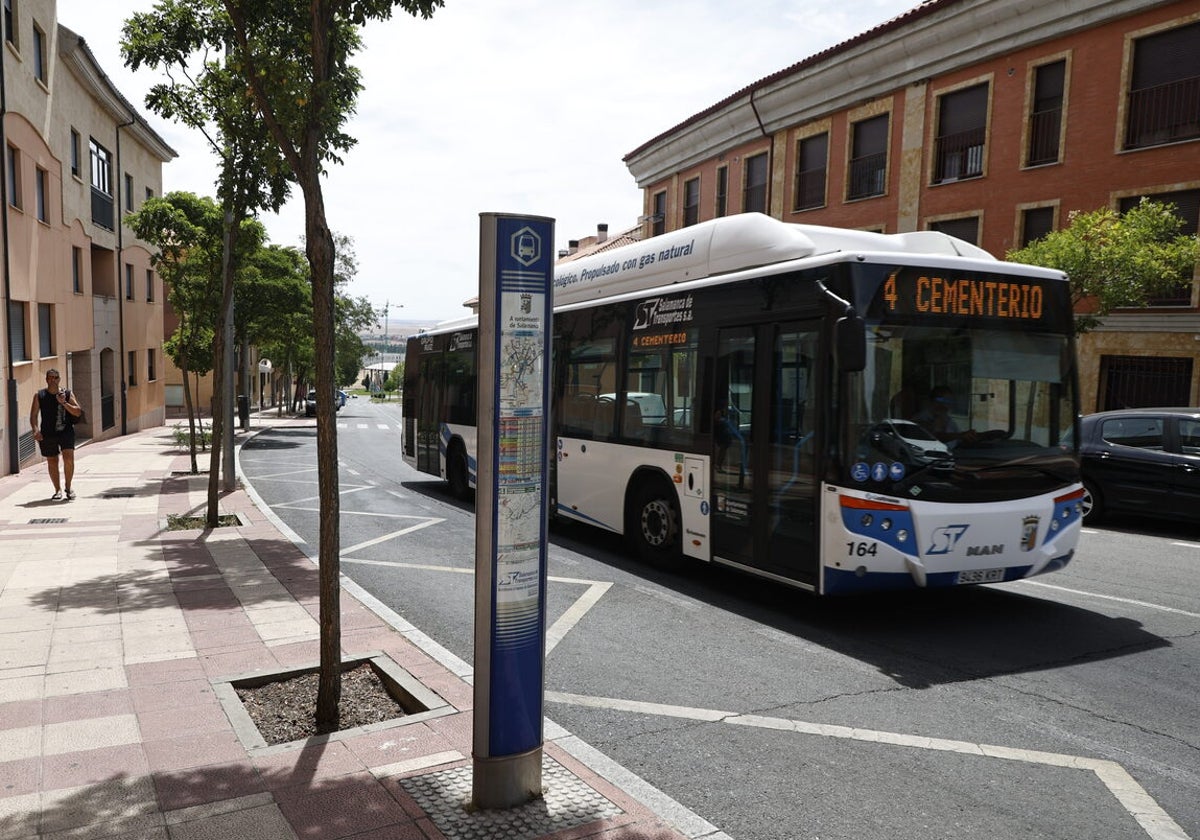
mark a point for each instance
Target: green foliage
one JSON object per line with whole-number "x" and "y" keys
{"x": 1115, "y": 261}
{"x": 395, "y": 380}
{"x": 183, "y": 437}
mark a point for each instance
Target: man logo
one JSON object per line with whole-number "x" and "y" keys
{"x": 944, "y": 539}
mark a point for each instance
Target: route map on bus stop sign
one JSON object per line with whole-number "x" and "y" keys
{"x": 522, "y": 326}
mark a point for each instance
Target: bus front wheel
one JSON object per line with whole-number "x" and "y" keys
{"x": 653, "y": 526}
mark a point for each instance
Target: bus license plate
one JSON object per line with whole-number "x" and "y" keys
{"x": 981, "y": 576}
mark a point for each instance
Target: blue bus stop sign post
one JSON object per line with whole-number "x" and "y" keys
{"x": 515, "y": 284}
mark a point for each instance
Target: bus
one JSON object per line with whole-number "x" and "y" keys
{"x": 836, "y": 410}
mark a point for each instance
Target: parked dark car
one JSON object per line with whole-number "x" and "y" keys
{"x": 1141, "y": 460}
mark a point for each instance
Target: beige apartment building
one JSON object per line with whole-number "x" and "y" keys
{"x": 989, "y": 120}
{"x": 80, "y": 293}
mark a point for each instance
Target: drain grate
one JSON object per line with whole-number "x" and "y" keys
{"x": 567, "y": 802}
{"x": 48, "y": 520}
{"x": 116, "y": 495}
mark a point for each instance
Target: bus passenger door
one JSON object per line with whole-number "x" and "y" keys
{"x": 428, "y": 415}
{"x": 764, "y": 482}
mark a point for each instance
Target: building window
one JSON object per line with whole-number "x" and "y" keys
{"x": 754, "y": 190}
{"x": 10, "y": 30}
{"x": 868, "y": 157}
{"x": 722, "y": 192}
{"x": 75, "y": 160}
{"x": 149, "y": 285}
{"x": 18, "y": 344}
{"x": 101, "y": 179}
{"x": 1186, "y": 204}
{"x": 76, "y": 269}
{"x": 101, "y": 167}
{"x": 962, "y": 130}
{"x": 128, "y": 192}
{"x": 128, "y": 281}
{"x": 812, "y": 160}
{"x": 1036, "y": 222}
{"x": 151, "y": 375}
{"x": 41, "y": 188}
{"x": 39, "y": 54}
{"x": 45, "y": 329}
{"x": 1045, "y": 115}
{"x": 149, "y": 193}
{"x": 658, "y": 215}
{"x": 691, "y": 201}
{"x": 1164, "y": 88}
{"x": 1143, "y": 381}
{"x": 132, "y": 368}
{"x": 13, "y": 160}
{"x": 966, "y": 229}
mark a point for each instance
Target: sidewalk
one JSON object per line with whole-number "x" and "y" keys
{"x": 118, "y": 640}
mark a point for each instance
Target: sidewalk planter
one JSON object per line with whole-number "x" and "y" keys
{"x": 417, "y": 702}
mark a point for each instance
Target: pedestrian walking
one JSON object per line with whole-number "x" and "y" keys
{"x": 53, "y": 416}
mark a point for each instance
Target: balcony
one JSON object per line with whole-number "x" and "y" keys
{"x": 1163, "y": 114}
{"x": 1044, "y": 131}
{"x": 810, "y": 189}
{"x": 868, "y": 174}
{"x": 959, "y": 156}
{"x": 102, "y": 209}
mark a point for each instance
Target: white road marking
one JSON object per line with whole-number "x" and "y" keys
{"x": 567, "y": 621}
{"x": 1129, "y": 601}
{"x": 423, "y": 524}
{"x": 1157, "y": 824}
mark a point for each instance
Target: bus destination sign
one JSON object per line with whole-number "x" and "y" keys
{"x": 927, "y": 295}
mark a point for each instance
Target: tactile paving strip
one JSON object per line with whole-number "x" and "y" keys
{"x": 566, "y": 802}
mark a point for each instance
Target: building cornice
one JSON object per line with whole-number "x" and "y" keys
{"x": 935, "y": 38}
{"x": 74, "y": 54}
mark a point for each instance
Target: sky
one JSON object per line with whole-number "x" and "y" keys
{"x": 508, "y": 106}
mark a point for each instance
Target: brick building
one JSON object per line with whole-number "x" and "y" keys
{"x": 990, "y": 120}
{"x": 80, "y": 292}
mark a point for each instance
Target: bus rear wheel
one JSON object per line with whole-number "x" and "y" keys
{"x": 653, "y": 525}
{"x": 456, "y": 472}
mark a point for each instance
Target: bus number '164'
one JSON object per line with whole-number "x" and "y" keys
{"x": 862, "y": 549}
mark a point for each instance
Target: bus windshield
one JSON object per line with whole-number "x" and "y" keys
{"x": 954, "y": 413}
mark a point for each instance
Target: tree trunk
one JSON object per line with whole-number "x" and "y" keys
{"x": 319, "y": 245}
{"x": 191, "y": 409}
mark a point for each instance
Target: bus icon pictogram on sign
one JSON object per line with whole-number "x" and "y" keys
{"x": 526, "y": 246}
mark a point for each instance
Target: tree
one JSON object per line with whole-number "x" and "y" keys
{"x": 185, "y": 39}
{"x": 290, "y": 61}
{"x": 1116, "y": 260}
{"x": 186, "y": 230}
{"x": 295, "y": 59}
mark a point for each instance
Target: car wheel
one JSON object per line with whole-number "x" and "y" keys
{"x": 1092, "y": 504}
{"x": 653, "y": 526}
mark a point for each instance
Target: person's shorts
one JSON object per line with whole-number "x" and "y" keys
{"x": 51, "y": 445}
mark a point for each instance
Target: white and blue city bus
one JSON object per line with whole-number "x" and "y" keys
{"x": 836, "y": 410}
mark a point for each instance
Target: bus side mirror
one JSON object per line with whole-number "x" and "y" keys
{"x": 851, "y": 343}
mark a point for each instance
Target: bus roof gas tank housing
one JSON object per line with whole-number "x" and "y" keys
{"x": 714, "y": 247}
{"x": 725, "y": 245}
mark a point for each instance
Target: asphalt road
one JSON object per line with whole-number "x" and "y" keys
{"x": 1065, "y": 707}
